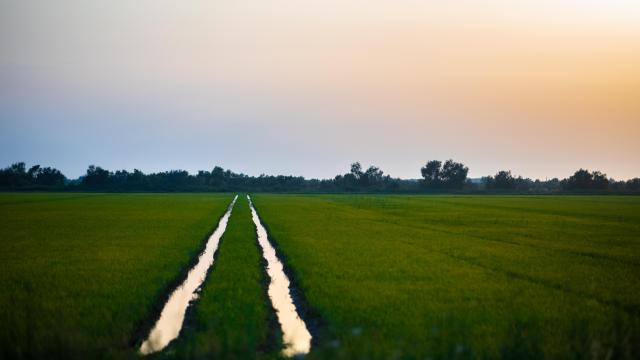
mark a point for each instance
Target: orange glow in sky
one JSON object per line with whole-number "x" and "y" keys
{"x": 539, "y": 87}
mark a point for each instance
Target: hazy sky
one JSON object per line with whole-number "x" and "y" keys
{"x": 306, "y": 87}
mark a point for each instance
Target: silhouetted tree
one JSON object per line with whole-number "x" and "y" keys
{"x": 33, "y": 171}
{"x": 372, "y": 179}
{"x": 585, "y": 180}
{"x": 503, "y": 180}
{"x": 14, "y": 176}
{"x": 600, "y": 181}
{"x": 356, "y": 170}
{"x": 453, "y": 174}
{"x": 17, "y": 177}
{"x": 217, "y": 176}
{"x": 633, "y": 184}
{"x": 49, "y": 177}
{"x": 96, "y": 176}
{"x": 448, "y": 176}
{"x": 373, "y": 176}
{"x": 431, "y": 173}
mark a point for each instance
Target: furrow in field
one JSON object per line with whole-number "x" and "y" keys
{"x": 549, "y": 250}
{"x": 629, "y": 308}
{"x": 543, "y": 211}
{"x": 48, "y": 200}
{"x": 168, "y": 326}
{"x": 539, "y": 260}
{"x": 296, "y": 336}
{"x": 632, "y": 309}
{"x": 526, "y": 236}
{"x": 388, "y": 289}
{"x": 233, "y": 318}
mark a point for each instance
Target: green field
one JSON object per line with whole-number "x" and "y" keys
{"x": 379, "y": 276}
{"x": 465, "y": 277}
{"x": 82, "y": 273}
{"x": 232, "y": 317}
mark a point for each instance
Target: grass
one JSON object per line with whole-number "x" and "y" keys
{"x": 389, "y": 277}
{"x": 465, "y": 277}
{"x": 81, "y": 273}
{"x": 232, "y": 316}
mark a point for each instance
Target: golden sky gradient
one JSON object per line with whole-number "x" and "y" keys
{"x": 552, "y": 77}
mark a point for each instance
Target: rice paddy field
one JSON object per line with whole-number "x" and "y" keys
{"x": 373, "y": 276}
{"x": 232, "y": 318}
{"x": 81, "y": 274}
{"x": 465, "y": 277}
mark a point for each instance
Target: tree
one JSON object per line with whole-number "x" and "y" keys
{"x": 633, "y": 184}
{"x": 14, "y": 176}
{"x": 372, "y": 176}
{"x": 503, "y": 180}
{"x": 431, "y": 173}
{"x": 371, "y": 179}
{"x": 580, "y": 180}
{"x": 599, "y": 181}
{"x": 18, "y": 169}
{"x": 96, "y": 176}
{"x": 453, "y": 174}
{"x": 33, "y": 171}
{"x": 585, "y": 180}
{"x": 356, "y": 170}
{"x": 217, "y": 173}
{"x": 350, "y": 180}
{"x": 217, "y": 177}
{"x": 49, "y": 177}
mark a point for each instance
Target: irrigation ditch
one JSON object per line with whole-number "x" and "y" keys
{"x": 295, "y": 334}
{"x": 292, "y": 325}
{"x": 169, "y": 324}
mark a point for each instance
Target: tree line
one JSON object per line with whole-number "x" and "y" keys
{"x": 437, "y": 177}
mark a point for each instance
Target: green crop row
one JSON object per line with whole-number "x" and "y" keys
{"x": 376, "y": 276}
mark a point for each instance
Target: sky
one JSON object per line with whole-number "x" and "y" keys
{"x": 539, "y": 87}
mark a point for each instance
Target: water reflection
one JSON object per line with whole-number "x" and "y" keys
{"x": 171, "y": 318}
{"x": 297, "y": 338}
